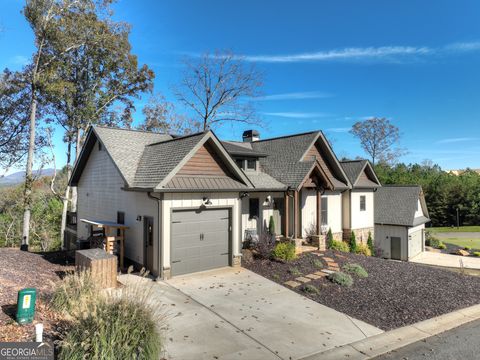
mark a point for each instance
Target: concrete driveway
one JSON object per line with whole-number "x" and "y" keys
{"x": 237, "y": 314}
{"x": 446, "y": 260}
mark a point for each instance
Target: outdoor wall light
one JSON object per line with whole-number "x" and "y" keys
{"x": 139, "y": 218}
{"x": 244, "y": 194}
{"x": 206, "y": 201}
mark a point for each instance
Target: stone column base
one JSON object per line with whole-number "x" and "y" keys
{"x": 320, "y": 242}
{"x": 361, "y": 235}
{"x": 166, "y": 274}
{"x": 237, "y": 261}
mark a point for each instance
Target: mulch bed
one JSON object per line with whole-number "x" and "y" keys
{"x": 18, "y": 270}
{"x": 394, "y": 294}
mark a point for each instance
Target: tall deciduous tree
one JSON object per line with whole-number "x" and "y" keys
{"x": 95, "y": 83}
{"x": 53, "y": 41}
{"x": 218, "y": 89}
{"x": 161, "y": 116}
{"x": 378, "y": 137}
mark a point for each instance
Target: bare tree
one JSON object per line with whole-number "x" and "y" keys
{"x": 218, "y": 89}
{"x": 378, "y": 137}
{"x": 161, "y": 116}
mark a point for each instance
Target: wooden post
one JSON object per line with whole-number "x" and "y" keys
{"x": 319, "y": 213}
{"x": 287, "y": 217}
{"x": 296, "y": 214}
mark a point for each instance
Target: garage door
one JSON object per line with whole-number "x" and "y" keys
{"x": 200, "y": 240}
{"x": 415, "y": 243}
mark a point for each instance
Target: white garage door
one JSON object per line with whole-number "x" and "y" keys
{"x": 415, "y": 243}
{"x": 200, "y": 240}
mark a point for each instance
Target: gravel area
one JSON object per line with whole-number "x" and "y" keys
{"x": 18, "y": 270}
{"x": 394, "y": 294}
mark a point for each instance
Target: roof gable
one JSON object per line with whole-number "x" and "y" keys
{"x": 397, "y": 205}
{"x": 361, "y": 174}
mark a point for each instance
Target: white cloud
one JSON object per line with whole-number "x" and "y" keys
{"x": 464, "y": 46}
{"x": 19, "y": 60}
{"x": 355, "y": 53}
{"x": 456, "y": 140}
{"x": 296, "y": 115}
{"x": 339, "y": 130}
{"x": 295, "y": 96}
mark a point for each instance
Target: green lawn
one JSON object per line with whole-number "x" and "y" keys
{"x": 453, "y": 230}
{"x": 463, "y": 242}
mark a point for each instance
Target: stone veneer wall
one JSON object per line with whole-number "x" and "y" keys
{"x": 360, "y": 234}
{"x": 338, "y": 236}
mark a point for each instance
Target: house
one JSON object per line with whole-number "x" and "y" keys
{"x": 358, "y": 202}
{"x": 189, "y": 202}
{"x": 400, "y": 217}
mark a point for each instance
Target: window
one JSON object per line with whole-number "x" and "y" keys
{"x": 240, "y": 163}
{"x": 363, "y": 203}
{"x": 254, "y": 207}
{"x": 324, "y": 212}
{"x": 251, "y": 164}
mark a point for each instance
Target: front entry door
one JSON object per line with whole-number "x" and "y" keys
{"x": 148, "y": 242}
{"x": 396, "y": 248}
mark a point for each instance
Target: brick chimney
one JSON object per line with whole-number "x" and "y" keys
{"x": 251, "y": 136}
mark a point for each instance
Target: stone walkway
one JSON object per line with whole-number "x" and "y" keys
{"x": 332, "y": 266}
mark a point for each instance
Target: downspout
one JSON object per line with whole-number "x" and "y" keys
{"x": 159, "y": 233}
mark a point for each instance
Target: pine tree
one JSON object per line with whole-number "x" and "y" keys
{"x": 353, "y": 243}
{"x": 271, "y": 226}
{"x": 329, "y": 238}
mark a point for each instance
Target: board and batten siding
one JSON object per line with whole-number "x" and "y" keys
{"x": 382, "y": 239}
{"x": 362, "y": 219}
{"x": 175, "y": 201}
{"x": 334, "y": 210}
{"x": 100, "y": 197}
{"x": 309, "y": 210}
{"x": 204, "y": 162}
{"x": 265, "y": 211}
{"x": 416, "y": 243}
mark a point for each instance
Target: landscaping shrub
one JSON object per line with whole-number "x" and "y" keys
{"x": 284, "y": 251}
{"x": 355, "y": 269}
{"x": 310, "y": 289}
{"x": 271, "y": 226}
{"x": 353, "y": 243}
{"x": 363, "y": 249}
{"x": 339, "y": 246}
{"x": 294, "y": 271}
{"x": 340, "y": 278}
{"x": 122, "y": 323}
{"x": 329, "y": 238}
{"x": 73, "y": 292}
{"x": 317, "y": 263}
{"x": 441, "y": 246}
{"x": 370, "y": 243}
{"x": 265, "y": 246}
{"x": 476, "y": 253}
{"x": 467, "y": 248}
{"x": 432, "y": 241}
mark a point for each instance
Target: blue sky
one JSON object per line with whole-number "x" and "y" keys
{"x": 326, "y": 64}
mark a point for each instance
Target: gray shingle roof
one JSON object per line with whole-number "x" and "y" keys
{"x": 353, "y": 169}
{"x": 284, "y": 158}
{"x": 241, "y": 148}
{"x": 261, "y": 180}
{"x": 158, "y": 160}
{"x": 126, "y": 147}
{"x": 396, "y": 205}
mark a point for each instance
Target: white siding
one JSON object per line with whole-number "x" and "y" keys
{"x": 416, "y": 242}
{"x": 362, "y": 219}
{"x": 100, "y": 196}
{"x": 383, "y": 233}
{"x": 309, "y": 210}
{"x": 334, "y": 210}
{"x": 265, "y": 211}
{"x": 195, "y": 200}
{"x": 419, "y": 212}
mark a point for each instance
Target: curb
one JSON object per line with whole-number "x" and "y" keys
{"x": 398, "y": 338}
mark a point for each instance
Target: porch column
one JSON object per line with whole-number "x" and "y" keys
{"x": 319, "y": 213}
{"x": 296, "y": 213}
{"x": 287, "y": 214}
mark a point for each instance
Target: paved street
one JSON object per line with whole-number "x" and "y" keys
{"x": 459, "y": 343}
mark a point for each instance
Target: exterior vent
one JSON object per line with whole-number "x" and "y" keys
{"x": 251, "y": 136}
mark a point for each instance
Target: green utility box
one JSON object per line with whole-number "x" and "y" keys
{"x": 26, "y": 305}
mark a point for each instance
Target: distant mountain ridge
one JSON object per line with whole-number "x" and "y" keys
{"x": 19, "y": 176}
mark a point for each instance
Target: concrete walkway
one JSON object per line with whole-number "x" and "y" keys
{"x": 237, "y": 314}
{"x": 446, "y": 260}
